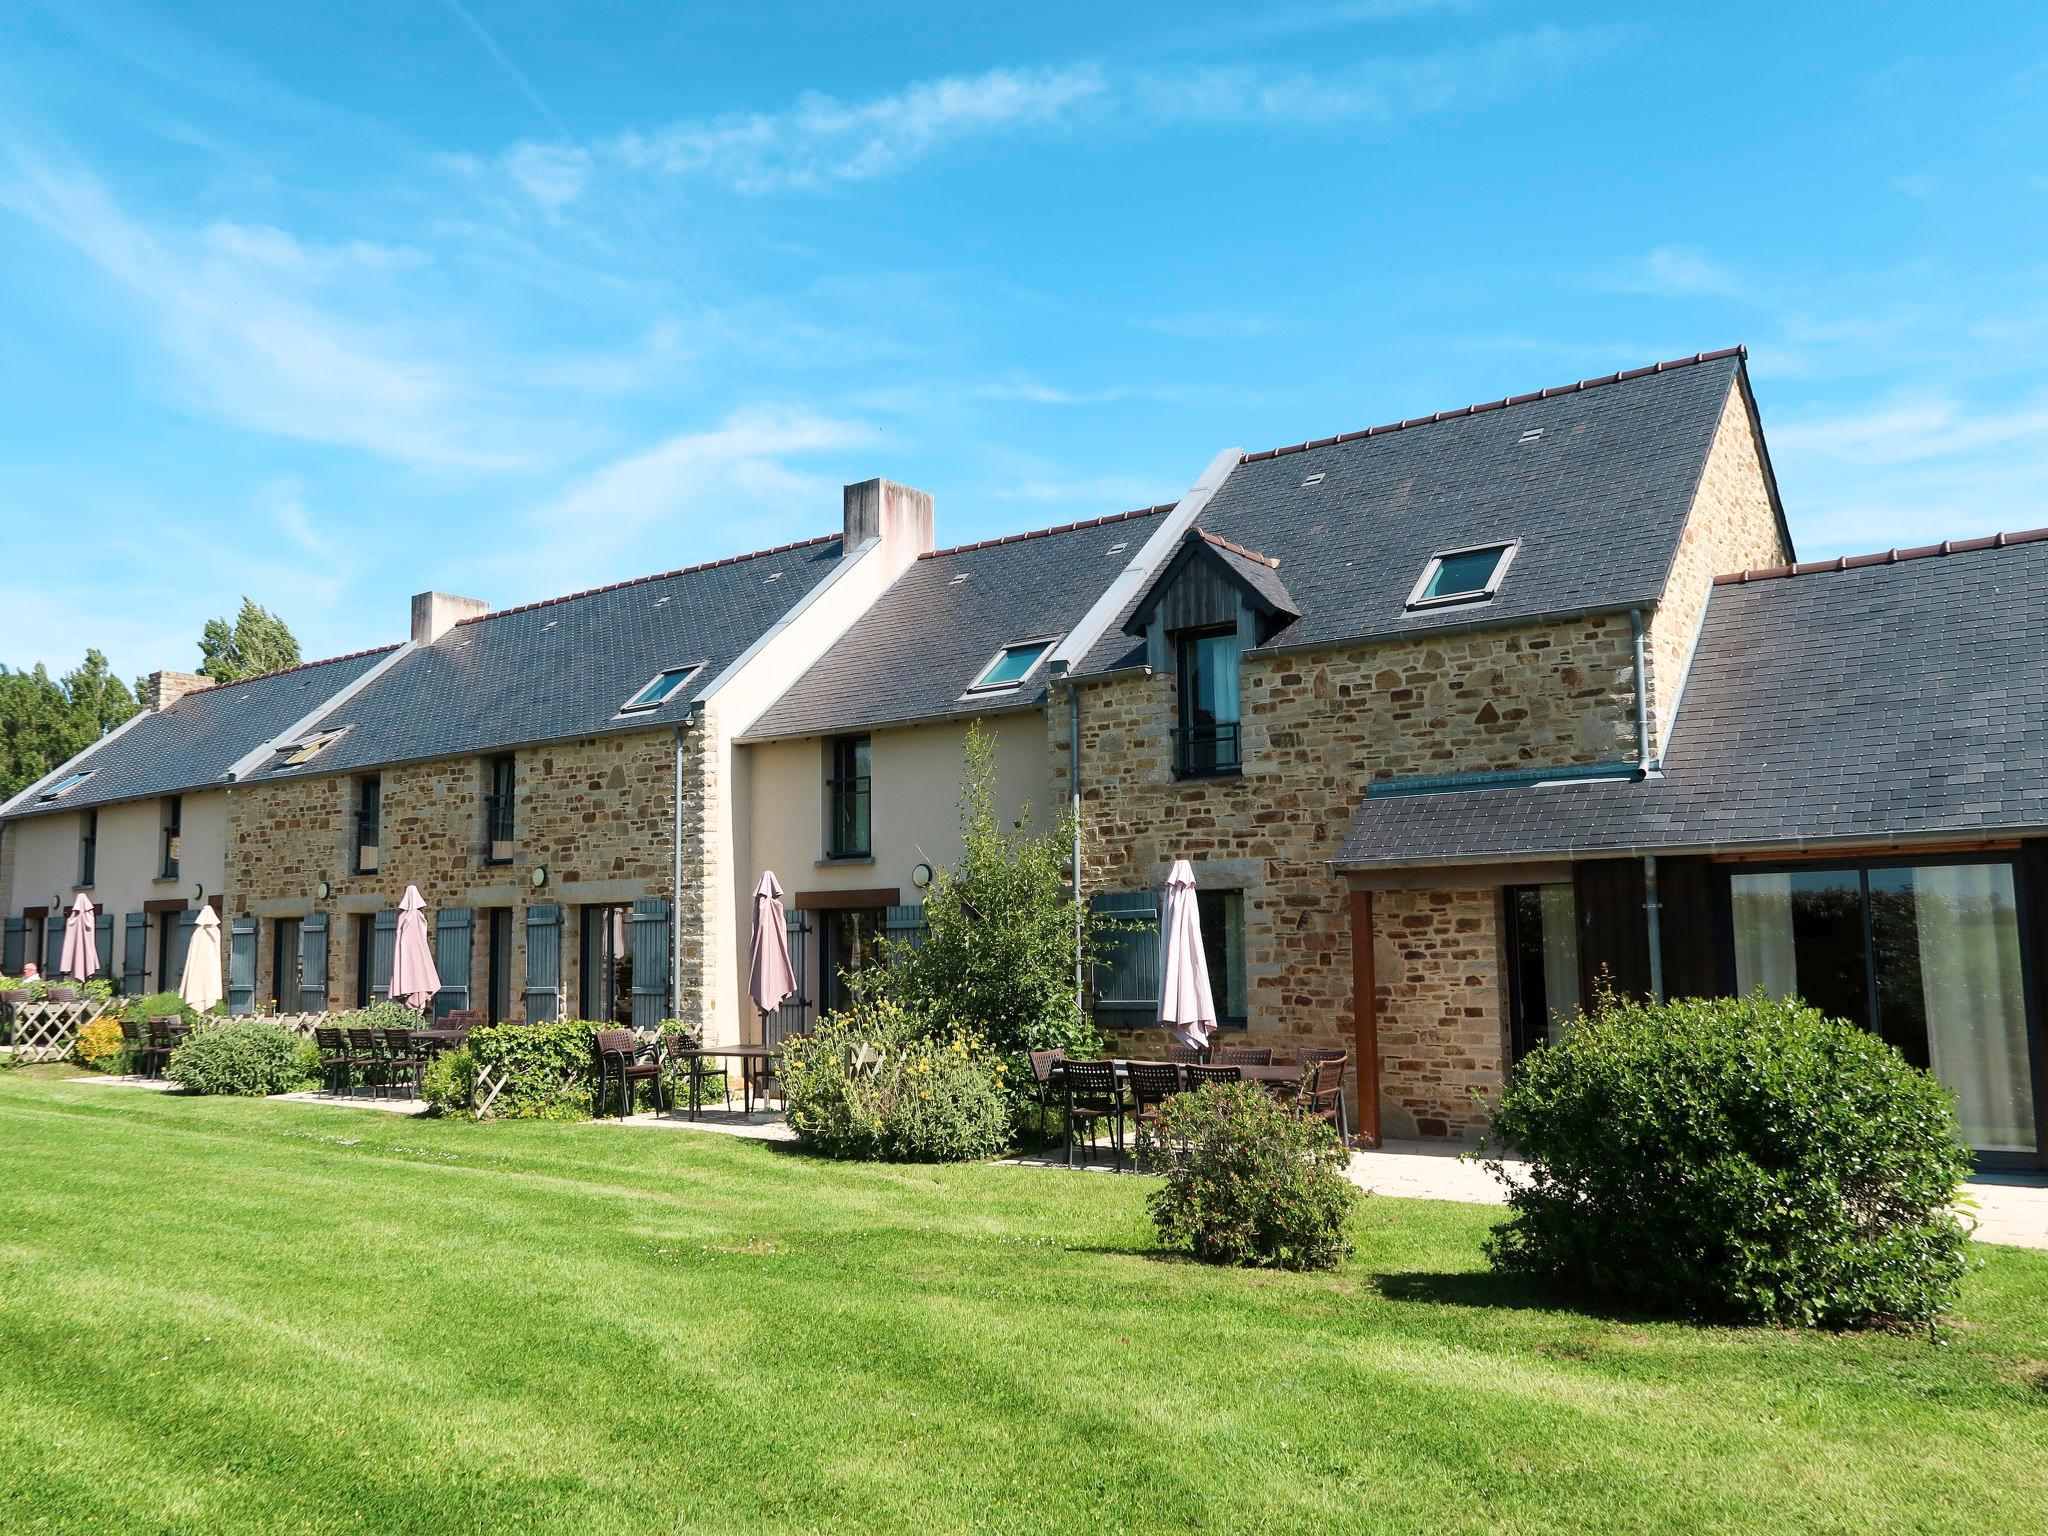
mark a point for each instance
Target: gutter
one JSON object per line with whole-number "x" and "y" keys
{"x": 1074, "y": 809}
{"x": 675, "y": 907}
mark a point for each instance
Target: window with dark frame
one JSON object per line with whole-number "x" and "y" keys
{"x": 498, "y": 811}
{"x": 284, "y": 964}
{"x": 173, "y": 836}
{"x": 1462, "y": 575}
{"x": 1206, "y": 739}
{"x": 1543, "y": 963}
{"x": 660, "y": 688}
{"x": 369, "y": 823}
{"x": 607, "y": 978}
{"x": 849, "y": 829}
{"x": 89, "y": 847}
{"x": 1222, "y": 920}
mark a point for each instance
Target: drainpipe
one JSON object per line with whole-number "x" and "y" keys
{"x": 1074, "y": 807}
{"x": 675, "y": 903}
{"x": 1655, "y": 911}
{"x": 1652, "y": 908}
{"x": 1635, "y": 630}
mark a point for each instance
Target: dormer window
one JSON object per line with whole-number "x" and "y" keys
{"x": 660, "y": 688}
{"x": 1470, "y": 575}
{"x": 1206, "y": 740}
{"x": 1011, "y": 665}
{"x": 65, "y": 785}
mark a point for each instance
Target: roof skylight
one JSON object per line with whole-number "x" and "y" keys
{"x": 65, "y": 785}
{"x": 1470, "y": 575}
{"x": 660, "y": 688}
{"x": 1011, "y": 665}
{"x": 298, "y": 753}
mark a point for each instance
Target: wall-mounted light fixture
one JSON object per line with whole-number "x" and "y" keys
{"x": 921, "y": 876}
{"x": 540, "y": 878}
{"x": 322, "y": 891}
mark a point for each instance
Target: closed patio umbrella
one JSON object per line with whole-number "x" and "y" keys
{"x": 414, "y": 978}
{"x": 1185, "y": 1005}
{"x": 81, "y": 951}
{"x": 771, "y": 979}
{"x": 200, "y": 985}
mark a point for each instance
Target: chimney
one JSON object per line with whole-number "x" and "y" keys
{"x": 900, "y": 517}
{"x": 166, "y": 688}
{"x": 435, "y": 613}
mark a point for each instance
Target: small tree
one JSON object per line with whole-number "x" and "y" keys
{"x": 1001, "y": 927}
{"x": 257, "y": 642}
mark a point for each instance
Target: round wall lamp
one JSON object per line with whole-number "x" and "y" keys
{"x": 323, "y": 890}
{"x": 540, "y": 878}
{"x": 921, "y": 875}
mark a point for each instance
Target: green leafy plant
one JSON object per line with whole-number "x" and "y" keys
{"x": 379, "y": 1016}
{"x": 711, "y": 1070}
{"x": 873, "y": 1083}
{"x": 158, "y": 1005}
{"x": 244, "y": 1056}
{"x": 1248, "y": 1180}
{"x": 548, "y": 1068}
{"x": 1734, "y": 1158}
{"x": 449, "y": 1082}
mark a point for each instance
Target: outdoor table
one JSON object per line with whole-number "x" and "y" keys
{"x": 1282, "y": 1074}
{"x": 752, "y": 1058}
{"x": 440, "y": 1039}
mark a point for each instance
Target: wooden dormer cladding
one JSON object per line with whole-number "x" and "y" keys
{"x": 1209, "y": 585}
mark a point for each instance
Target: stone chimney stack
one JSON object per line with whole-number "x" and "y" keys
{"x": 902, "y": 518}
{"x": 435, "y": 613}
{"x": 166, "y": 688}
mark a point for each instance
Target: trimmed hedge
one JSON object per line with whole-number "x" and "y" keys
{"x": 549, "y": 1064}
{"x": 250, "y": 1057}
{"x": 1734, "y": 1158}
{"x": 871, "y": 1084}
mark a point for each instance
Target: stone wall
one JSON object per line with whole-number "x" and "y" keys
{"x": 596, "y": 814}
{"x": 1317, "y": 728}
{"x": 1732, "y": 528}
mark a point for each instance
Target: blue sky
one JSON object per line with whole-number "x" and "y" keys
{"x": 331, "y": 303}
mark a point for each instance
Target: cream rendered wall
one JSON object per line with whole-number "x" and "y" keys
{"x": 915, "y": 772}
{"x": 125, "y": 877}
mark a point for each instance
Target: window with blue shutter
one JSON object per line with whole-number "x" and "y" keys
{"x": 242, "y": 965}
{"x": 904, "y": 926}
{"x": 543, "y": 964}
{"x": 454, "y": 928}
{"x": 1127, "y": 971}
{"x": 383, "y": 948}
{"x": 135, "y": 953}
{"x": 13, "y": 946}
{"x": 53, "y": 945}
{"x": 653, "y": 954}
{"x": 313, "y": 963}
{"x": 103, "y": 942}
{"x": 188, "y": 921}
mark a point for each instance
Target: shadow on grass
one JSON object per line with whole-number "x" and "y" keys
{"x": 1483, "y": 1288}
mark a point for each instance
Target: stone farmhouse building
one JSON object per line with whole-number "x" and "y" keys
{"x": 1459, "y": 720}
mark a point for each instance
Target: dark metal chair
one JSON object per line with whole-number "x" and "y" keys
{"x": 334, "y": 1058}
{"x": 164, "y": 1032}
{"x": 404, "y": 1061}
{"x": 1187, "y": 1055}
{"x": 1343, "y": 1060}
{"x": 1244, "y": 1056}
{"x": 1090, "y": 1095}
{"x": 1322, "y": 1087}
{"x": 1044, "y": 1066}
{"x": 61, "y": 995}
{"x": 365, "y": 1058}
{"x": 1201, "y": 1074}
{"x": 618, "y": 1060}
{"x": 1151, "y": 1083}
{"x": 144, "y": 1059}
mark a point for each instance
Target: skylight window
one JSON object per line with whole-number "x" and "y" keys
{"x": 1462, "y": 575}
{"x": 1011, "y": 665}
{"x": 65, "y": 785}
{"x": 660, "y": 688}
{"x": 298, "y": 753}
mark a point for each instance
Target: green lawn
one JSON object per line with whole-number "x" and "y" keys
{"x": 225, "y": 1316}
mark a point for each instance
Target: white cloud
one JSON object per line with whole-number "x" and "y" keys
{"x": 265, "y": 245}
{"x": 1213, "y": 325}
{"x": 552, "y": 175}
{"x": 1676, "y": 271}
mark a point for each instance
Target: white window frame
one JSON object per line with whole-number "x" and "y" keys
{"x": 65, "y": 785}
{"x": 312, "y": 746}
{"x": 682, "y": 675}
{"x": 1507, "y": 549}
{"x": 981, "y": 685}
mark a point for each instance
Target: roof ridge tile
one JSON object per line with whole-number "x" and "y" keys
{"x": 638, "y": 581}
{"x": 1236, "y": 549}
{"x": 1892, "y": 556}
{"x": 1046, "y": 533}
{"x": 304, "y": 666}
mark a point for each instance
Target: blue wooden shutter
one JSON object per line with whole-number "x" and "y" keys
{"x": 653, "y": 950}
{"x": 313, "y": 963}
{"x": 383, "y": 946}
{"x": 14, "y": 946}
{"x": 1127, "y": 971}
{"x": 543, "y": 964}
{"x": 188, "y": 920}
{"x": 453, "y": 928}
{"x": 135, "y": 953}
{"x": 53, "y": 945}
{"x": 242, "y": 965}
{"x": 103, "y": 942}
{"x": 904, "y": 926}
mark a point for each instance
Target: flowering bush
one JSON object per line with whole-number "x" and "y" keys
{"x": 873, "y": 1084}
{"x": 100, "y": 1046}
{"x": 1249, "y": 1181}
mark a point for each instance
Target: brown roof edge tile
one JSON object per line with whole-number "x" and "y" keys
{"x": 637, "y": 581}
{"x": 1495, "y": 405}
{"x": 1236, "y": 549}
{"x": 1882, "y": 557}
{"x": 304, "y": 666}
{"x": 1044, "y": 533}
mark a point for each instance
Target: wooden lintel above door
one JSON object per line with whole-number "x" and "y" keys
{"x": 846, "y": 901}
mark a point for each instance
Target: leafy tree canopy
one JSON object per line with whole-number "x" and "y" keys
{"x": 258, "y": 641}
{"x": 42, "y": 723}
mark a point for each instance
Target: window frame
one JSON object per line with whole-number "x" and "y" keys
{"x": 640, "y": 704}
{"x": 840, "y": 786}
{"x": 65, "y": 785}
{"x": 500, "y": 805}
{"x": 369, "y": 822}
{"x": 1041, "y": 645}
{"x": 170, "y": 842}
{"x": 1232, "y": 898}
{"x": 1184, "y": 764}
{"x": 1504, "y": 550}
{"x": 88, "y": 845}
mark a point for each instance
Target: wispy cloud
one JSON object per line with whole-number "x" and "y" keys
{"x": 1675, "y": 271}
{"x": 820, "y": 140}
{"x": 1214, "y": 325}
{"x": 552, "y": 175}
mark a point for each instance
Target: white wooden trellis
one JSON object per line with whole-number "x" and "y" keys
{"x": 48, "y": 1031}
{"x": 492, "y": 1081}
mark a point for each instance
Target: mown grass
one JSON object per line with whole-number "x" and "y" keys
{"x": 230, "y": 1316}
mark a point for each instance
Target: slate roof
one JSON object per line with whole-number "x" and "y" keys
{"x": 1598, "y": 499}
{"x": 914, "y": 653}
{"x": 1900, "y": 697}
{"x": 195, "y": 741}
{"x": 559, "y": 669}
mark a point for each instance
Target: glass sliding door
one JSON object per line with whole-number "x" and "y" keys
{"x": 1543, "y": 958}
{"x": 607, "y": 990}
{"x": 1927, "y": 956}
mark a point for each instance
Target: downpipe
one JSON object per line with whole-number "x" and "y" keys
{"x": 1653, "y": 910}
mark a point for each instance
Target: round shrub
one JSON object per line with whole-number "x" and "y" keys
{"x": 158, "y": 1005}
{"x": 872, "y": 1084}
{"x": 101, "y": 1046}
{"x": 244, "y": 1056}
{"x": 1734, "y": 1158}
{"x": 1249, "y": 1181}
